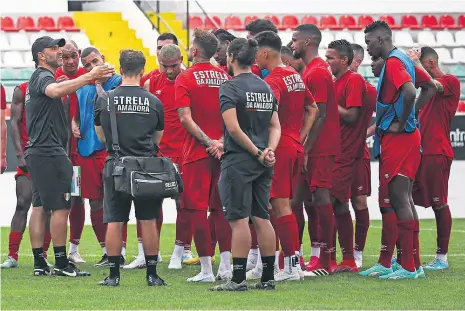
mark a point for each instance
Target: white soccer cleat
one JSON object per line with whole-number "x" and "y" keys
{"x": 224, "y": 274}
{"x": 254, "y": 274}
{"x": 358, "y": 263}
{"x": 75, "y": 258}
{"x": 202, "y": 278}
{"x": 285, "y": 276}
{"x": 137, "y": 263}
{"x": 10, "y": 263}
{"x": 175, "y": 263}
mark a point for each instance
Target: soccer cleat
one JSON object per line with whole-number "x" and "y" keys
{"x": 269, "y": 285}
{"x": 41, "y": 271}
{"x": 230, "y": 286}
{"x": 399, "y": 274}
{"x": 346, "y": 266}
{"x": 437, "y": 264}
{"x": 175, "y": 263}
{"x": 70, "y": 270}
{"x": 285, "y": 276}
{"x": 202, "y": 278}
{"x": 376, "y": 270}
{"x": 254, "y": 274}
{"x": 110, "y": 281}
{"x": 316, "y": 270}
{"x": 395, "y": 265}
{"x": 224, "y": 274}
{"x": 137, "y": 263}
{"x": 103, "y": 261}
{"x": 421, "y": 273}
{"x": 76, "y": 258}
{"x": 358, "y": 260}
{"x": 48, "y": 264}
{"x": 313, "y": 262}
{"x": 10, "y": 263}
{"x": 189, "y": 259}
{"x": 155, "y": 280}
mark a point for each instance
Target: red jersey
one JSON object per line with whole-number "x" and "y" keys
{"x": 173, "y": 136}
{"x": 2, "y": 98}
{"x": 224, "y": 68}
{"x": 320, "y": 83}
{"x": 22, "y": 125}
{"x": 197, "y": 88}
{"x": 292, "y": 95}
{"x": 148, "y": 76}
{"x": 436, "y": 118}
{"x": 395, "y": 75}
{"x": 256, "y": 70}
{"x": 369, "y": 106}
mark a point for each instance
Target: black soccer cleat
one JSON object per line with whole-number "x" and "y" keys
{"x": 110, "y": 281}
{"x": 38, "y": 271}
{"x": 103, "y": 262}
{"x": 269, "y": 285}
{"x": 71, "y": 271}
{"x": 155, "y": 280}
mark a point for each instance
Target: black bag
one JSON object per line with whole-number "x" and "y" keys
{"x": 142, "y": 177}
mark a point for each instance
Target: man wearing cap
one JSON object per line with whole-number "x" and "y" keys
{"x": 46, "y": 158}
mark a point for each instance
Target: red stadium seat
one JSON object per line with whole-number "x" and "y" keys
{"x": 209, "y": 23}
{"x": 290, "y": 22}
{"x": 347, "y": 21}
{"x": 410, "y": 21}
{"x": 249, "y": 19}
{"x": 308, "y": 19}
{"x": 390, "y": 21}
{"x": 448, "y": 21}
{"x": 26, "y": 23}
{"x": 66, "y": 23}
{"x": 234, "y": 23}
{"x": 195, "y": 22}
{"x": 430, "y": 21}
{"x": 365, "y": 20}
{"x": 7, "y": 24}
{"x": 274, "y": 19}
{"x": 461, "y": 21}
{"x": 46, "y": 23}
{"x": 330, "y": 22}
{"x": 461, "y": 107}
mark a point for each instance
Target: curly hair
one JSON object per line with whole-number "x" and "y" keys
{"x": 206, "y": 42}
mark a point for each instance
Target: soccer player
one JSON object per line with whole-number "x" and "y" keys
{"x": 361, "y": 184}
{"x": 297, "y": 112}
{"x": 350, "y": 89}
{"x": 253, "y": 28}
{"x": 2, "y": 130}
{"x": 435, "y": 119}
{"x": 251, "y": 134}
{"x": 91, "y": 151}
{"x": 320, "y": 150}
{"x": 397, "y": 144}
{"x": 199, "y": 111}
{"x": 224, "y": 39}
{"x": 288, "y": 59}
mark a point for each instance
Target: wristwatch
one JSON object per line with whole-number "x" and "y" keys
{"x": 259, "y": 154}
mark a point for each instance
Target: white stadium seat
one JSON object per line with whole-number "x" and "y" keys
{"x": 366, "y": 59}
{"x": 444, "y": 56}
{"x": 326, "y": 38}
{"x": 403, "y": 38}
{"x": 54, "y": 35}
{"x": 322, "y": 53}
{"x": 19, "y": 41}
{"x": 286, "y": 37}
{"x": 460, "y": 37}
{"x": 81, "y": 40}
{"x": 4, "y": 43}
{"x": 359, "y": 38}
{"x": 458, "y": 54}
{"x": 13, "y": 59}
{"x": 28, "y": 59}
{"x": 344, "y": 35}
{"x": 445, "y": 38}
{"x": 427, "y": 38}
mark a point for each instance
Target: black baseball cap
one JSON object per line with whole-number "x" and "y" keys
{"x": 45, "y": 42}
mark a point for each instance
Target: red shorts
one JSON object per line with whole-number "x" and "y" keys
{"x": 286, "y": 174}
{"x": 431, "y": 187}
{"x": 400, "y": 155}
{"x": 361, "y": 183}
{"x": 343, "y": 176}
{"x": 200, "y": 179}
{"x": 320, "y": 172}
{"x": 20, "y": 172}
{"x": 92, "y": 174}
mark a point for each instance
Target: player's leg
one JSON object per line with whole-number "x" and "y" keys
{"x": 100, "y": 229}
{"x": 77, "y": 218}
{"x": 298, "y": 211}
{"x": 253, "y": 256}
{"x": 47, "y": 237}
{"x": 416, "y": 237}
{"x": 139, "y": 261}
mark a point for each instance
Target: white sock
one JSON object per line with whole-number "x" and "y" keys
{"x": 178, "y": 251}
{"x": 442, "y": 257}
{"x": 253, "y": 251}
{"x": 259, "y": 265}
{"x": 316, "y": 252}
{"x": 225, "y": 263}
{"x": 358, "y": 254}
{"x": 140, "y": 249}
{"x": 276, "y": 258}
{"x": 123, "y": 251}
{"x": 104, "y": 249}
{"x": 206, "y": 265}
{"x": 73, "y": 248}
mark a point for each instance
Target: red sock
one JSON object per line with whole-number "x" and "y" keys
{"x": 443, "y": 228}
{"x": 253, "y": 233}
{"x": 286, "y": 229}
{"x": 160, "y": 222}
{"x": 327, "y": 221}
{"x": 388, "y": 238}
{"x": 201, "y": 230}
{"x": 47, "y": 241}
{"x": 77, "y": 217}
{"x": 273, "y": 223}
{"x": 362, "y": 223}
{"x": 314, "y": 229}
{"x": 223, "y": 230}
{"x": 183, "y": 227}
{"x": 298, "y": 210}
{"x": 14, "y": 241}
{"x": 399, "y": 253}
{"x": 125, "y": 234}
{"x": 416, "y": 244}
{"x": 139, "y": 232}
{"x": 406, "y": 228}
{"x": 100, "y": 229}
{"x": 345, "y": 230}
{"x": 213, "y": 236}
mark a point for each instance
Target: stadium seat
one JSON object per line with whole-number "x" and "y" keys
{"x": 7, "y": 74}
{"x": 28, "y": 60}
{"x": 308, "y": 19}
{"x": 458, "y": 54}
{"x": 286, "y": 37}
{"x": 4, "y": 43}
{"x": 13, "y": 59}
{"x": 365, "y": 20}
{"x": 290, "y": 22}
{"x": 409, "y": 21}
{"x": 80, "y": 39}
{"x": 366, "y": 59}
{"x": 274, "y": 19}
{"x": 461, "y": 107}
{"x": 448, "y": 21}
{"x": 461, "y": 21}
{"x": 326, "y": 38}
{"x": 348, "y": 22}
{"x": 457, "y": 70}
{"x": 403, "y": 38}
{"x": 46, "y": 23}
{"x": 25, "y": 73}
{"x": 344, "y": 35}
{"x": 250, "y": 18}
{"x": 7, "y": 24}
{"x": 430, "y": 21}
{"x": 26, "y": 23}
{"x": 195, "y": 22}
{"x": 426, "y": 37}
{"x": 359, "y": 38}
{"x": 19, "y": 41}
{"x": 329, "y": 22}
{"x": 390, "y": 21}
{"x": 444, "y": 56}
{"x": 209, "y": 22}
{"x": 460, "y": 37}
{"x": 66, "y": 23}
{"x": 233, "y": 22}
{"x": 445, "y": 38}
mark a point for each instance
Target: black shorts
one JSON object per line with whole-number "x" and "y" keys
{"x": 51, "y": 178}
{"x": 245, "y": 190}
{"x": 117, "y": 205}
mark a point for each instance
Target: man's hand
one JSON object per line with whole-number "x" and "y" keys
{"x": 62, "y": 78}
{"x": 395, "y": 127}
{"x": 215, "y": 149}
{"x": 75, "y": 129}
{"x": 270, "y": 158}
{"x": 102, "y": 72}
{"x": 414, "y": 55}
{"x": 21, "y": 161}
{"x": 439, "y": 86}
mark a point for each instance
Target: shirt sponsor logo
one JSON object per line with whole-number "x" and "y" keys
{"x": 212, "y": 78}
{"x": 259, "y": 101}
{"x": 131, "y": 104}
{"x": 294, "y": 83}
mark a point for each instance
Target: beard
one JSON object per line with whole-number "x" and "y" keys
{"x": 297, "y": 54}
{"x": 230, "y": 71}
{"x": 54, "y": 62}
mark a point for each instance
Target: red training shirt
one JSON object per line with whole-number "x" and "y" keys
{"x": 197, "y": 88}
{"x": 22, "y": 125}
{"x": 256, "y": 70}
{"x": 292, "y": 95}
{"x": 368, "y": 107}
{"x": 153, "y": 73}
{"x": 224, "y": 68}
{"x": 173, "y": 136}
{"x": 319, "y": 81}
{"x": 436, "y": 118}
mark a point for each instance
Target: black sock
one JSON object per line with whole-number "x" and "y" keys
{"x": 151, "y": 263}
{"x": 114, "y": 262}
{"x": 39, "y": 260}
{"x": 268, "y": 268}
{"x": 61, "y": 261}
{"x": 239, "y": 266}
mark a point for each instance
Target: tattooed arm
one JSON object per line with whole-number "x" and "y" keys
{"x": 188, "y": 123}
